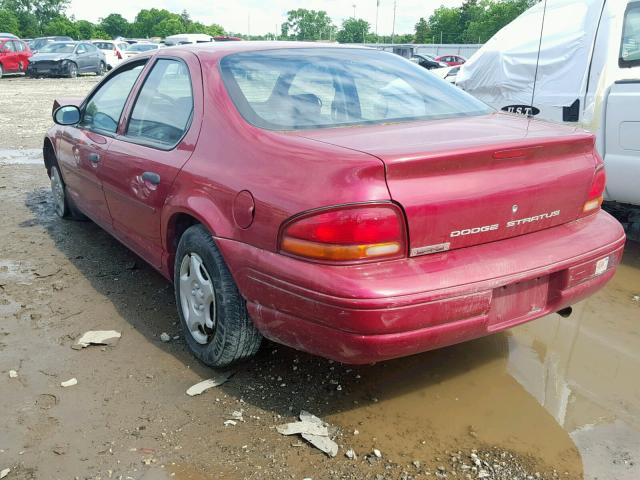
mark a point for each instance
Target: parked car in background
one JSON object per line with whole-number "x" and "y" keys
{"x": 187, "y": 38}
{"x": 37, "y": 43}
{"x": 67, "y": 59}
{"x": 451, "y": 60}
{"x": 113, "y": 51}
{"x": 140, "y": 47}
{"x": 7, "y": 35}
{"x": 448, "y": 73}
{"x": 437, "y": 220}
{"x": 14, "y": 56}
{"x": 427, "y": 61}
{"x": 226, "y": 38}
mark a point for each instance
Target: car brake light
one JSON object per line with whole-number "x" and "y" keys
{"x": 594, "y": 199}
{"x": 351, "y": 233}
{"x": 118, "y": 54}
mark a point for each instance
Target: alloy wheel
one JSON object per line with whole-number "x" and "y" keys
{"x": 57, "y": 189}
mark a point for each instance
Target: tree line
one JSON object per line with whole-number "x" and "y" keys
{"x": 35, "y": 18}
{"x": 475, "y": 21}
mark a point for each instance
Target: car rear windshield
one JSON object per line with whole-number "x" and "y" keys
{"x": 104, "y": 45}
{"x": 141, "y": 47}
{"x": 58, "y": 47}
{"x": 293, "y": 89}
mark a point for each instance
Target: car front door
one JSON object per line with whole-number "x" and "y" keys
{"x": 155, "y": 140}
{"x": 9, "y": 57}
{"x": 82, "y": 148}
{"x": 83, "y": 58}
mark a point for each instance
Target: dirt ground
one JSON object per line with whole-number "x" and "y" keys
{"x": 556, "y": 398}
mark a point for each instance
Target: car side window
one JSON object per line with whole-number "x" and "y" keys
{"x": 81, "y": 49}
{"x": 19, "y": 46}
{"x": 102, "y": 111}
{"x": 9, "y": 47}
{"x": 164, "y": 106}
{"x": 630, "y": 46}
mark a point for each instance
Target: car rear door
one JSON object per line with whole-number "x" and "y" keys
{"x": 154, "y": 141}
{"x": 81, "y": 149}
{"x": 82, "y": 58}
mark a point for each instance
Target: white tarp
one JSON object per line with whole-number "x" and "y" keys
{"x": 501, "y": 73}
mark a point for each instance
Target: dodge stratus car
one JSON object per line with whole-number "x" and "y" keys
{"x": 342, "y": 201}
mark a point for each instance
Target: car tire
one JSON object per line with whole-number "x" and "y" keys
{"x": 73, "y": 70}
{"x": 213, "y": 314}
{"x": 62, "y": 203}
{"x": 101, "y": 69}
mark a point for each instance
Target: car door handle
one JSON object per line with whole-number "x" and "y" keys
{"x": 93, "y": 157}
{"x": 152, "y": 177}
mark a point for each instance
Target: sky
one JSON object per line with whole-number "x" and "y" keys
{"x": 262, "y": 16}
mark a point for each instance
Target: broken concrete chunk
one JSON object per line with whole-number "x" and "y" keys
{"x": 351, "y": 454}
{"x": 232, "y": 423}
{"x": 69, "y": 383}
{"x": 218, "y": 380}
{"x": 4, "y": 472}
{"x": 377, "y": 453}
{"x": 325, "y": 444}
{"x": 165, "y": 337}
{"x": 309, "y": 417}
{"x": 13, "y": 374}
{"x": 297, "y": 428}
{"x": 97, "y": 337}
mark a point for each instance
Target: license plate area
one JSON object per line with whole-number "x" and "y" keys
{"x": 515, "y": 302}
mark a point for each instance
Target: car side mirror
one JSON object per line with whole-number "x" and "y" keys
{"x": 67, "y": 115}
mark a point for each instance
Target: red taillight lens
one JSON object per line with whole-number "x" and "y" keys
{"x": 594, "y": 198}
{"x": 347, "y": 234}
{"x": 118, "y": 54}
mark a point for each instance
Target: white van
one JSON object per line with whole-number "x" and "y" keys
{"x": 187, "y": 38}
{"x": 586, "y": 61}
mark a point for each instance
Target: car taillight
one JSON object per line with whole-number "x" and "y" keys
{"x": 118, "y": 54}
{"x": 594, "y": 199}
{"x": 352, "y": 233}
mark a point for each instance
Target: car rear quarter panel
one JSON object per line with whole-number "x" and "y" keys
{"x": 284, "y": 173}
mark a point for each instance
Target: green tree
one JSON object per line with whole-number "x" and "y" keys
{"x": 303, "y": 24}
{"x": 62, "y": 26}
{"x": 444, "y": 25}
{"x": 214, "y": 30}
{"x": 168, "y": 26}
{"x": 115, "y": 25}
{"x": 33, "y": 15}
{"x": 423, "y": 34}
{"x": 9, "y": 22}
{"x": 353, "y": 31}
{"x": 147, "y": 20}
{"x": 86, "y": 29}
{"x": 492, "y": 17}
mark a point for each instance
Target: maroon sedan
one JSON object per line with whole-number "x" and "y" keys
{"x": 451, "y": 60}
{"x": 342, "y": 201}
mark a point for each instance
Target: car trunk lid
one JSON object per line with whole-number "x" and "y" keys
{"x": 474, "y": 180}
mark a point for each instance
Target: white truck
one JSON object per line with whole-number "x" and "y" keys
{"x": 585, "y": 58}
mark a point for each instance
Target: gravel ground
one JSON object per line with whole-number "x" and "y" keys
{"x": 459, "y": 412}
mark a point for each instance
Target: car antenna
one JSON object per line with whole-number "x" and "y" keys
{"x": 535, "y": 76}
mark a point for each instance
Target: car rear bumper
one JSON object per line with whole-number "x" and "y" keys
{"x": 367, "y": 313}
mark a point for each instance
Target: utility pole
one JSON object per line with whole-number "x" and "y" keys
{"x": 377, "y": 10}
{"x": 393, "y": 29}
{"x": 249, "y": 26}
{"x": 354, "y": 10}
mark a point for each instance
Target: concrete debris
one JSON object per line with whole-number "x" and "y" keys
{"x": 377, "y": 453}
{"x": 636, "y": 298}
{"x": 4, "y": 472}
{"x": 165, "y": 337}
{"x": 350, "y": 454}
{"x": 313, "y": 430}
{"x": 237, "y": 415}
{"x": 200, "y": 387}
{"x": 231, "y": 423}
{"x": 97, "y": 337}
{"x": 13, "y": 374}
{"x": 324, "y": 444}
{"x": 69, "y": 383}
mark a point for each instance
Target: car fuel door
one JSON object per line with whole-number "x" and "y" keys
{"x": 155, "y": 140}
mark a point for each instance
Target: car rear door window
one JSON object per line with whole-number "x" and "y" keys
{"x": 630, "y": 47}
{"x": 102, "y": 111}
{"x": 162, "y": 112}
